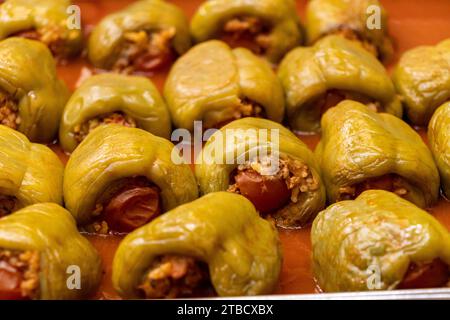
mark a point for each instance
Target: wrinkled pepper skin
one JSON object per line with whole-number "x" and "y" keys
{"x": 359, "y": 144}
{"x": 51, "y": 230}
{"x": 214, "y": 177}
{"x": 286, "y": 32}
{"x": 423, "y": 81}
{"x": 108, "y": 35}
{"x": 332, "y": 63}
{"x": 378, "y": 231}
{"x": 30, "y": 172}
{"x": 218, "y": 229}
{"x": 41, "y": 96}
{"x": 325, "y": 17}
{"x": 112, "y": 152}
{"x": 107, "y": 93}
{"x": 439, "y": 138}
{"x": 50, "y": 18}
{"x": 209, "y": 81}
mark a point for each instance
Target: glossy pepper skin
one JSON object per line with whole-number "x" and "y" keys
{"x": 423, "y": 81}
{"x": 101, "y": 94}
{"x": 218, "y": 229}
{"x": 209, "y": 82}
{"x": 35, "y": 86}
{"x": 332, "y": 63}
{"x": 358, "y": 144}
{"x": 50, "y": 18}
{"x": 108, "y": 35}
{"x": 113, "y": 152}
{"x": 281, "y": 15}
{"x": 30, "y": 172}
{"x": 378, "y": 231}
{"x": 51, "y": 230}
{"x": 325, "y": 17}
{"x": 439, "y": 138}
{"x": 214, "y": 176}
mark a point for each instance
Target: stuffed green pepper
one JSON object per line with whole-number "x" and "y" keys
{"x": 361, "y": 149}
{"x": 439, "y": 138}
{"x": 112, "y": 98}
{"x": 334, "y": 69}
{"x": 214, "y": 245}
{"x": 48, "y": 21}
{"x": 269, "y": 165}
{"x": 362, "y": 21}
{"x": 120, "y": 178}
{"x": 31, "y": 95}
{"x": 30, "y": 173}
{"x": 216, "y": 84}
{"x": 144, "y": 37}
{"x": 379, "y": 241}
{"x": 42, "y": 256}
{"x": 269, "y": 28}
{"x": 422, "y": 79}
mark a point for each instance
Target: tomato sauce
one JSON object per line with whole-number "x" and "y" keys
{"x": 411, "y": 23}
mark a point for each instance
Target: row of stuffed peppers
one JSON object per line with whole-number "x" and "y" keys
{"x": 150, "y": 33}
{"x": 216, "y": 84}
{"x": 121, "y": 179}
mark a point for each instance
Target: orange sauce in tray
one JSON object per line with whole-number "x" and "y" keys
{"x": 411, "y": 22}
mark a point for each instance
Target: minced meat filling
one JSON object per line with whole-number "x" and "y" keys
{"x": 144, "y": 51}
{"x": 9, "y": 111}
{"x": 19, "y": 274}
{"x": 81, "y": 131}
{"x": 389, "y": 182}
{"x": 334, "y": 96}
{"x": 248, "y": 32}
{"x": 355, "y": 36}
{"x": 296, "y": 178}
{"x": 175, "y": 276}
{"x": 7, "y": 205}
{"x": 246, "y": 108}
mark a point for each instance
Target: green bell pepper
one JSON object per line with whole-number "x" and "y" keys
{"x": 439, "y": 138}
{"x": 361, "y": 149}
{"x": 36, "y": 96}
{"x": 30, "y": 173}
{"x": 216, "y": 84}
{"x": 218, "y": 229}
{"x": 423, "y": 81}
{"x": 113, "y": 152}
{"x": 333, "y": 63}
{"x": 50, "y": 231}
{"x": 272, "y": 25}
{"x": 352, "y": 20}
{"x": 250, "y": 141}
{"x": 133, "y": 101}
{"x": 146, "y": 22}
{"x": 45, "y": 20}
{"x": 373, "y": 242}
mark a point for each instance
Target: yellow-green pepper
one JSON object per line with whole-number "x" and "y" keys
{"x": 153, "y": 17}
{"x": 135, "y": 101}
{"x": 422, "y": 80}
{"x": 273, "y": 24}
{"x": 439, "y": 138}
{"x": 361, "y": 149}
{"x": 48, "y": 21}
{"x": 333, "y": 63}
{"x": 219, "y": 229}
{"x": 30, "y": 173}
{"x": 63, "y": 253}
{"x": 251, "y": 141}
{"x": 217, "y": 84}
{"x": 29, "y": 81}
{"x": 364, "y": 21}
{"x": 373, "y": 242}
{"x": 113, "y": 152}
